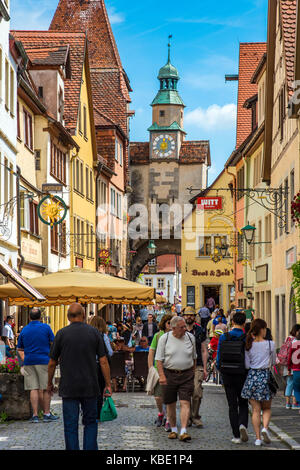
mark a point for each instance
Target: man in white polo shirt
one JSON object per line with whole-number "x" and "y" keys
{"x": 176, "y": 361}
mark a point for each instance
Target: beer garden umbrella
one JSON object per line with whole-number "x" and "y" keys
{"x": 79, "y": 285}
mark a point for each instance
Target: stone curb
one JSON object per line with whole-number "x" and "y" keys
{"x": 284, "y": 437}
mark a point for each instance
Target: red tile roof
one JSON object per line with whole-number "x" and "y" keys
{"x": 165, "y": 264}
{"x": 195, "y": 151}
{"x": 110, "y": 84}
{"x": 192, "y": 151}
{"x": 91, "y": 16}
{"x": 250, "y": 56}
{"x": 77, "y": 43}
{"x": 52, "y": 55}
{"x": 288, "y": 20}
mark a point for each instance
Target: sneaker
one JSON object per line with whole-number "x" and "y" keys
{"x": 167, "y": 427}
{"x": 159, "y": 421}
{"x": 172, "y": 435}
{"x": 236, "y": 440}
{"x": 34, "y": 419}
{"x": 185, "y": 437}
{"x": 258, "y": 442}
{"x": 265, "y": 436}
{"x": 51, "y": 417}
{"x": 296, "y": 406}
{"x": 288, "y": 406}
{"x": 243, "y": 433}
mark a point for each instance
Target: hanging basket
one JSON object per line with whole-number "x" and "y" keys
{"x": 295, "y": 209}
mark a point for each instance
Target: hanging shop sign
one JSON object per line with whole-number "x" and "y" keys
{"x": 210, "y": 203}
{"x": 52, "y": 211}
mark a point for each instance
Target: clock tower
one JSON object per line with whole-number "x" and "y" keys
{"x": 166, "y": 132}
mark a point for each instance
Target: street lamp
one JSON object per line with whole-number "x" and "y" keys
{"x": 151, "y": 247}
{"x": 248, "y": 232}
{"x": 223, "y": 249}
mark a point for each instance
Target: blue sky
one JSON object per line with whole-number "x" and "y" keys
{"x": 205, "y": 47}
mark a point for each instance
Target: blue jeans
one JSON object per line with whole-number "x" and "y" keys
{"x": 296, "y": 383}
{"x": 289, "y": 386}
{"x": 71, "y": 408}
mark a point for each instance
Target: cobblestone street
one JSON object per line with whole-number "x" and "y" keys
{"x": 134, "y": 428}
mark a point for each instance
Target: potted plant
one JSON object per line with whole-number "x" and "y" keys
{"x": 15, "y": 401}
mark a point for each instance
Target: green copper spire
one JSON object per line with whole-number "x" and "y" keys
{"x": 168, "y": 71}
{"x": 168, "y": 77}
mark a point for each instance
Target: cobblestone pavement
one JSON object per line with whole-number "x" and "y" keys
{"x": 134, "y": 428}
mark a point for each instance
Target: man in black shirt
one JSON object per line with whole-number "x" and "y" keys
{"x": 200, "y": 372}
{"x": 76, "y": 347}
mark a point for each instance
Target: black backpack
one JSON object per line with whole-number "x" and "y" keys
{"x": 232, "y": 355}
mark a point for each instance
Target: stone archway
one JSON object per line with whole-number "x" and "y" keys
{"x": 142, "y": 256}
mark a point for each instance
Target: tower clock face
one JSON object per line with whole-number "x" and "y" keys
{"x": 163, "y": 145}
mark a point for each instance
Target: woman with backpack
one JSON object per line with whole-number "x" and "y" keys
{"x": 282, "y": 360}
{"x": 260, "y": 356}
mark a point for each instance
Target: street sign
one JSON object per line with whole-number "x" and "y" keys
{"x": 52, "y": 188}
{"x": 210, "y": 203}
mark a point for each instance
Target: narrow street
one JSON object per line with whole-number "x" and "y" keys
{"x": 134, "y": 428}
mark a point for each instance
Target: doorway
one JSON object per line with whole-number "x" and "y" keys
{"x": 211, "y": 291}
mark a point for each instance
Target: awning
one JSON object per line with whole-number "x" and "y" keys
{"x": 21, "y": 284}
{"x": 83, "y": 286}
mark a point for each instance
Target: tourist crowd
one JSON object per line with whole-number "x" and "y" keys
{"x": 182, "y": 350}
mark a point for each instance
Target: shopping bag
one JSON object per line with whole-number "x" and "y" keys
{"x": 108, "y": 411}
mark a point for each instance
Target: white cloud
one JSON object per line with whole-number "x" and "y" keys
{"x": 213, "y": 118}
{"x": 114, "y": 17}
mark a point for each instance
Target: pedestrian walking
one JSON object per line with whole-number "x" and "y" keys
{"x": 282, "y": 363}
{"x": 100, "y": 324}
{"x": 260, "y": 356}
{"x": 150, "y": 328}
{"x": 294, "y": 365}
{"x": 75, "y": 347}
{"x": 137, "y": 330}
{"x": 220, "y": 322}
{"x": 205, "y": 315}
{"x": 33, "y": 348}
{"x": 7, "y": 332}
{"x": 200, "y": 369}
{"x": 176, "y": 361}
{"x": 231, "y": 364}
{"x": 211, "y": 304}
{"x": 164, "y": 327}
{"x": 144, "y": 314}
{"x": 249, "y": 312}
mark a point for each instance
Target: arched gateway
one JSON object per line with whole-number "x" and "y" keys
{"x": 164, "y": 167}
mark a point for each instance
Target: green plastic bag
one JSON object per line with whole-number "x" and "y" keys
{"x": 108, "y": 411}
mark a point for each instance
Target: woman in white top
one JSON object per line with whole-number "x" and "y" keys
{"x": 260, "y": 355}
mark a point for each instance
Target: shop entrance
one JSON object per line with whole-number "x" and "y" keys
{"x": 211, "y": 291}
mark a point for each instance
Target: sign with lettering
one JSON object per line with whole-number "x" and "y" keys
{"x": 52, "y": 187}
{"x": 210, "y": 203}
{"x": 213, "y": 273}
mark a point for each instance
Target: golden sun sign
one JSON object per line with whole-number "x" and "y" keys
{"x": 52, "y": 211}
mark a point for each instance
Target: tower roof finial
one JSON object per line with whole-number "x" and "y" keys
{"x": 169, "y": 48}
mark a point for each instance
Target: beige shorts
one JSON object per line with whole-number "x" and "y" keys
{"x": 36, "y": 377}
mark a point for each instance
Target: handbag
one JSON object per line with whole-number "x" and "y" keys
{"x": 108, "y": 411}
{"x": 272, "y": 384}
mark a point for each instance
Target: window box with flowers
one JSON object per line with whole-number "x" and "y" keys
{"x": 295, "y": 209}
{"x": 14, "y": 400}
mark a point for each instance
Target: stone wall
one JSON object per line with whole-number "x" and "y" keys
{"x": 15, "y": 400}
